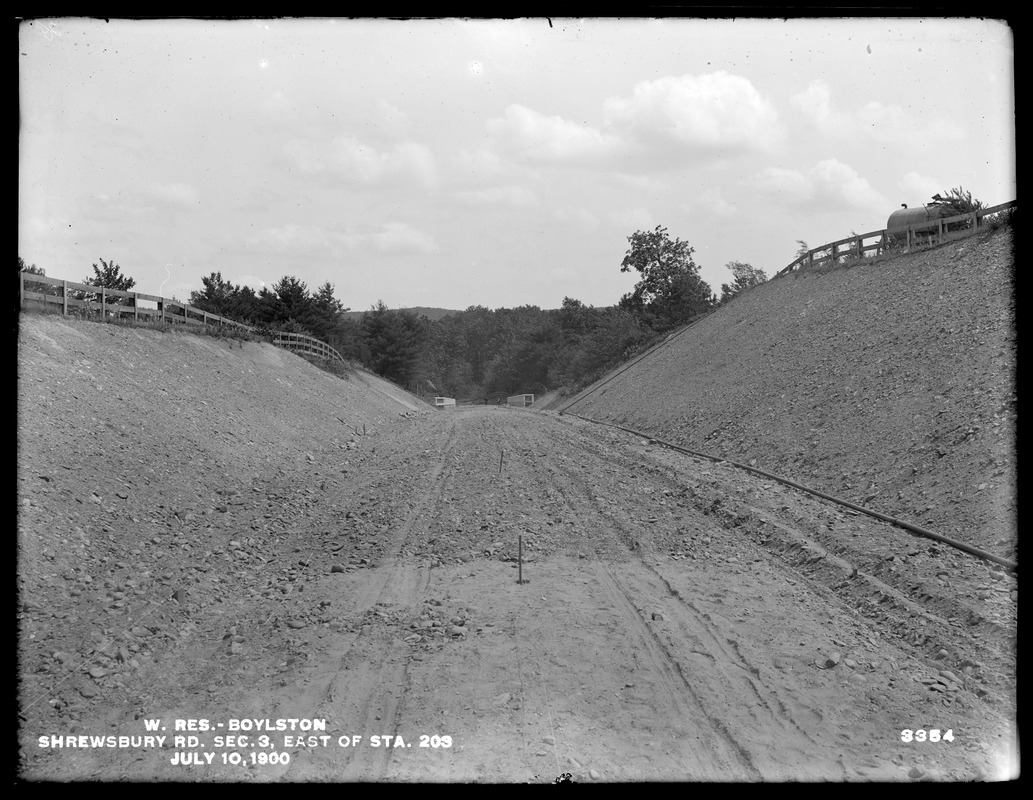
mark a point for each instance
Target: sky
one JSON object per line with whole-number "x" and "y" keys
{"x": 459, "y": 162}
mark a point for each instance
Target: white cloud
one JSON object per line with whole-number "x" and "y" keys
{"x": 710, "y": 202}
{"x": 112, "y": 211}
{"x": 827, "y": 186}
{"x": 49, "y": 226}
{"x": 788, "y": 184}
{"x": 393, "y": 121}
{"x": 891, "y": 124}
{"x": 576, "y": 216}
{"x": 529, "y": 134}
{"x": 294, "y": 238}
{"x": 396, "y": 237}
{"x": 885, "y": 124}
{"x": 390, "y": 237}
{"x": 632, "y": 219}
{"x": 717, "y": 111}
{"x": 663, "y": 122}
{"x": 478, "y": 167}
{"x": 277, "y": 105}
{"x": 835, "y": 182}
{"x": 352, "y": 161}
{"x": 917, "y": 189}
{"x": 180, "y": 195}
{"x": 815, "y": 104}
{"x": 642, "y": 183}
{"x": 513, "y": 195}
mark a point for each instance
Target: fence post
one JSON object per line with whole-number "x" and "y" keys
{"x": 64, "y": 298}
{"x": 136, "y": 306}
{"x": 103, "y": 302}
{"x": 21, "y": 288}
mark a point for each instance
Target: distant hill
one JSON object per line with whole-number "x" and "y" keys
{"x": 420, "y": 311}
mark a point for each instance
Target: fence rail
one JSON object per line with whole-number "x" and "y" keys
{"x": 118, "y": 304}
{"x": 924, "y": 234}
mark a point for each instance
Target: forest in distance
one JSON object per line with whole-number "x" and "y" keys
{"x": 479, "y": 351}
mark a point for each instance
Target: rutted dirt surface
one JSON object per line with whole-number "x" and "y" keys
{"x": 216, "y": 533}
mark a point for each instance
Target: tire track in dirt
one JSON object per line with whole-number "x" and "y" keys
{"x": 720, "y": 756}
{"x": 894, "y": 578}
{"x": 713, "y": 752}
{"x": 771, "y": 715}
{"x": 369, "y": 678}
{"x": 915, "y": 593}
{"x": 803, "y": 552}
{"x": 700, "y": 751}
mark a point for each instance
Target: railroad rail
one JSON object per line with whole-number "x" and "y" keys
{"x": 967, "y": 548}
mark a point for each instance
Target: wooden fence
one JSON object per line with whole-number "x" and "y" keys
{"x": 924, "y": 234}
{"x": 102, "y": 303}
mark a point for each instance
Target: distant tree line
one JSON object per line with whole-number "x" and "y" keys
{"x": 479, "y": 351}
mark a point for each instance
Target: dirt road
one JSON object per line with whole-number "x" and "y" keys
{"x": 678, "y": 620}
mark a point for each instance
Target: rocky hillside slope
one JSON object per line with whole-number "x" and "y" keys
{"x": 123, "y": 417}
{"x": 890, "y": 384}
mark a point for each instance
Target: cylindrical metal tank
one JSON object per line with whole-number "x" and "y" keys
{"x": 902, "y": 218}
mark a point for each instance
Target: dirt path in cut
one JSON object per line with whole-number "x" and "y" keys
{"x": 679, "y": 620}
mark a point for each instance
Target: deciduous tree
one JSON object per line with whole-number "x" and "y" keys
{"x": 958, "y": 201}
{"x": 745, "y": 277}
{"x": 38, "y": 288}
{"x": 670, "y": 292}
{"x": 109, "y": 275}
{"x": 32, "y": 268}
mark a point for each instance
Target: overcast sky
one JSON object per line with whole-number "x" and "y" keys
{"x": 456, "y": 162}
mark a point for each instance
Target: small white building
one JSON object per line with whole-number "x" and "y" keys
{"x": 521, "y": 400}
{"x": 445, "y": 403}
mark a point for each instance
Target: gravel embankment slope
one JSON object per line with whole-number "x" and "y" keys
{"x": 891, "y": 385}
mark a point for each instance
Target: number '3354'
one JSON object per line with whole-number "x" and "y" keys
{"x": 921, "y": 735}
